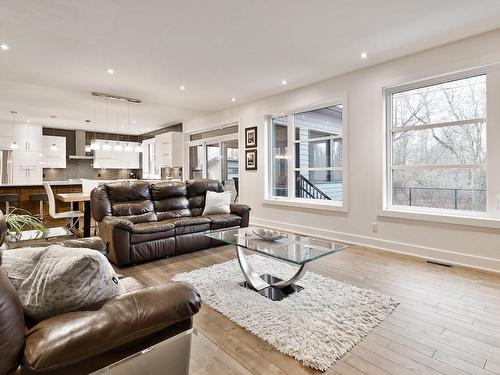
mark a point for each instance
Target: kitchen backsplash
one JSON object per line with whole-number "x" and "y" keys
{"x": 76, "y": 169}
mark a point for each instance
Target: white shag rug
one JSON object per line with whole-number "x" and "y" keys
{"x": 316, "y": 326}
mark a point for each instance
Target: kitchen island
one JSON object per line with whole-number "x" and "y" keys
{"x": 26, "y": 190}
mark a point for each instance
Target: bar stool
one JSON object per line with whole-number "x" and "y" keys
{"x": 39, "y": 197}
{"x": 8, "y": 199}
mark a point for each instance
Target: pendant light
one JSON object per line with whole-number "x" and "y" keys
{"x": 128, "y": 148}
{"x": 106, "y": 146}
{"x": 138, "y": 147}
{"x": 118, "y": 147}
{"x": 88, "y": 146}
{"x": 13, "y": 144}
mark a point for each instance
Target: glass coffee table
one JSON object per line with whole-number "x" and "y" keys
{"x": 292, "y": 248}
{"x": 35, "y": 238}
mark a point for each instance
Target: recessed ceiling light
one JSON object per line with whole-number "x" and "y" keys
{"x": 28, "y": 121}
{"x": 233, "y": 99}
{"x": 110, "y": 71}
{"x": 182, "y": 87}
{"x": 4, "y": 47}
{"x": 284, "y": 82}
{"x": 364, "y": 55}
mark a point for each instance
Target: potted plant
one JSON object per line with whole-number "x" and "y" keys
{"x": 3, "y": 228}
{"x": 18, "y": 220}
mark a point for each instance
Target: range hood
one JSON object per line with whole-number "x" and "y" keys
{"x": 80, "y": 140}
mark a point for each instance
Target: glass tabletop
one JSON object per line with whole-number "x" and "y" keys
{"x": 292, "y": 248}
{"x": 35, "y": 237}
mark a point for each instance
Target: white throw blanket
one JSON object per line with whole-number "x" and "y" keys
{"x": 55, "y": 279}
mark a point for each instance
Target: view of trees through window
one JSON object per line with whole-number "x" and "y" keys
{"x": 439, "y": 145}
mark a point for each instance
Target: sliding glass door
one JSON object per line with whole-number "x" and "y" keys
{"x": 230, "y": 166}
{"x": 216, "y": 159}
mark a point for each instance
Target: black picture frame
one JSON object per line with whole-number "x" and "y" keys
{"x": 251, "y": 160}
{"x": 251, "y": 137}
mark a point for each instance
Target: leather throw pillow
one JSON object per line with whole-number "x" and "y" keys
{"x": 217, "y": 203}
{"x": 55, "y": 279}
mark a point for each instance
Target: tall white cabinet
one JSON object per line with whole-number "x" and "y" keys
{"x": 27, "y": 158}
{"x": 169, "y": 149}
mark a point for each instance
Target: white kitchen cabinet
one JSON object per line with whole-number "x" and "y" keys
{"x": 112, "y": 159}
{"x": 5, "y": 142}
{"x": 6, "y": 135}
{"x": 28, "y": 137}
{"x": 53, "y": 152}
{"x": 169, "y": 149}
{"x": 26, "y": 167}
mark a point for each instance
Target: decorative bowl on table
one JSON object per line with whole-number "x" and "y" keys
{"x": 267, "y": 234}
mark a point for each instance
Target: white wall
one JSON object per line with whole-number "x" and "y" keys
{"x": 478, "y": 247}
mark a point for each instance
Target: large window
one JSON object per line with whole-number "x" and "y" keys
{"x": 306, "y": 155}
{"x": 437, "y": 145}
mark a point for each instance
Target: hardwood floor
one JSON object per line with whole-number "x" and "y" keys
{"x": 448, "y": 320}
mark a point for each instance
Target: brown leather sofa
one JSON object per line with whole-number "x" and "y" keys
{"x": 143, "y": 221}
{"x": 84, "y": 341}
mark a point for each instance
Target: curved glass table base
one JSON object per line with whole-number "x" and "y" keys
{"x": 257, "y": 282}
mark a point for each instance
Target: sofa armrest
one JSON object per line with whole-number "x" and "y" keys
{"x": 243, "y": 211}
{"x": 118, "y": 222}
{"x": 76, "y": 336}
{"x": 94, "y": 243}
{"x": 116, "y": 233}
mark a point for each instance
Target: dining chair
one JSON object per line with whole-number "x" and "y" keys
{"x": 236, "y": 187}
{"x": 72, "y": 216}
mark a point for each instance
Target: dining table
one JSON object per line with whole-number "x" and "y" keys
{"x": 75, "y": 199}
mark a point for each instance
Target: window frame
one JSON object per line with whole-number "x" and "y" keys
{"x": 487, "y": 218}
{"x": 290, "y": 199}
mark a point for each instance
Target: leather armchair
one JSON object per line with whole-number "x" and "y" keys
{"x": 84, "y": 341}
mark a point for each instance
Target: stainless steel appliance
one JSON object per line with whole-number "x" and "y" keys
{"x": 6, "y": 166}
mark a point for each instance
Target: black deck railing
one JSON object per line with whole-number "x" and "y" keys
{"x": 446, "y": 197}
{"x": 306, "y": 189}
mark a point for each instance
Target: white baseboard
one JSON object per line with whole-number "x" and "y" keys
{"x": 427, "y": 253}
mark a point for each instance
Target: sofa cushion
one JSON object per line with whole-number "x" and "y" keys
{"x": 196, "y": 192}
{"x": 143, "y": 218}
{"x": 130, "y": 198}
{"x": 217, "y": 203}
{"x": 151, "y": 231}
{"x": 170, "y": 199}
{"x": 185, "y": 225}
{"x": 125, "y": 191}
{"x": 132, "y": 208}
{"x": 152, "y": 227}
{"x": 53, "y": 280}
{"x": 219, "y": 221}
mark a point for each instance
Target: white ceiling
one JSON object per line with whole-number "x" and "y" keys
{"x": 217, "y": 49}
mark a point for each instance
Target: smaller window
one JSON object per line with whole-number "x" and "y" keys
{"x": 306, "y": 155}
